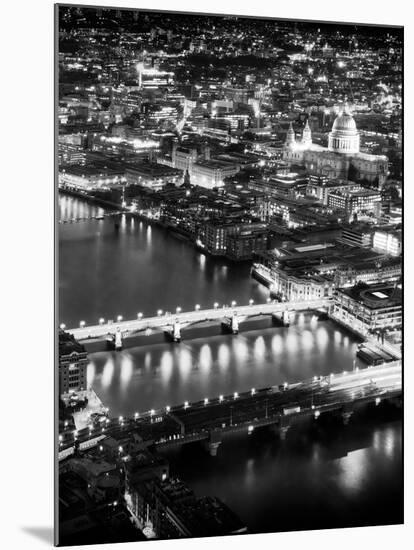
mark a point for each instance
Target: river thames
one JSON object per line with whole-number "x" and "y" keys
{"x": 323, "y": 475}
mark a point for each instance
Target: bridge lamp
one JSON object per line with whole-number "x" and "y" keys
{"x": 233, "y": 304}
{"x": 119, "y": 318}
{"x": 221, "y": 398}
{"x": 253, "y": 391}
{"x": 251, "y": 302}
{"x": 82, "y": 324}
{"x": 216, "y": 305}
{"x": 377, "y": 401}
{"x": 206, "y": 401}
{"x": 178, "y": 309}
{"x": 197, "y": 307}
{"x": 159, "y": 312}
{"x": 139, "y": 315}
{"x": 101, "y": 321}
{"x": 235, "y": 395}
{"x": 63, "y": 326}
{"x": 317, "y": 414}
{"x": 186, "y": 405}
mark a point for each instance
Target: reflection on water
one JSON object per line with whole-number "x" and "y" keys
{"x": 104, "y": 272}
{"x": 322, "y": 478}
{"x": 334, "y": 477}
{"x": 196, "y": 369}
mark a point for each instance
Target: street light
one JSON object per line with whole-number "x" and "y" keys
{"x": 251, "y": 302}
{"x": 216, "y": 305}
{"x": 119, "y": 318}
{"x": 136, "y": 415}
{"x": 82, "y": 324}
{"x": 63, "y": 326}
{"x": 268, "y": 300}
{"x": 253, "y": 391}
{"x": 152, "y": 412}
{"x": 178, "y": 309}
{"x": 186, "y": 405}
{"x": 235, "y": 395}
{"x": 139, "y": 315}
{"x": 159, "y": 312}
{"x": 206, "y": 401}
{"x": 233, "y": 304}
{"x": 101, "y": 321}
{"x": 221, "y": 398}
{"x": 197, "y": 307}
{"x": 168, "y": 408}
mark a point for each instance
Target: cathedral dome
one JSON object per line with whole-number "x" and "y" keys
{"x": 344, "y": 123}
{"x": 344, "y": 137}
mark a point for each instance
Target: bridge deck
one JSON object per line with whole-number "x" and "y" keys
{"x": 195, "y": 421}
{"x": 189, "y": 317}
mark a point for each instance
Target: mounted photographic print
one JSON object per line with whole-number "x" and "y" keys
{"x": 228, "y": 274}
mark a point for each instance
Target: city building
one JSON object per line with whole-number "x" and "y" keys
{"x": 342, "y": 158}
{"x": 73, "y": 361}
{"x": 355, "y": 201}
{"x": 388, "y": 241}
{"x": 369, "y": 308}
{"x": 321, "y": 186}
{"x": 152, "y": 175}
{"x": 90, "y": 177}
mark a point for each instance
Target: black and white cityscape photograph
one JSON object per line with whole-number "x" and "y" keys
{"x": 229, "y": 229}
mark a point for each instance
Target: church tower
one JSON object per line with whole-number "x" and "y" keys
{"x": 307, "y": 135}
{"x": 290, "y": 137}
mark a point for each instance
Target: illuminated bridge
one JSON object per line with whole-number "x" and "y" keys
{"x": 172, "y": 323}
{"x": 210, "y": 420}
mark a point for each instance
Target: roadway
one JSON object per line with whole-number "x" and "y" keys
{"x": 192, "y": 421}
{"x": 189, "y": 317}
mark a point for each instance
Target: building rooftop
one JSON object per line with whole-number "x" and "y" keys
{"x": 68, "y": 344}
{"x": 375, "y": 296}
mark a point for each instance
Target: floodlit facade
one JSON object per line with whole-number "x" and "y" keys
{"x": 340, "y": 158}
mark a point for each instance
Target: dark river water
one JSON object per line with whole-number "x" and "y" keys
{"x": 324, "y": 475}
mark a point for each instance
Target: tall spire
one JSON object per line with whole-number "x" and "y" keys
{"x": 290, "y": 136}
{"x": 307, "y": 134}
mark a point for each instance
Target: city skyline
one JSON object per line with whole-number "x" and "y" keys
{"x": 230, "y": 274}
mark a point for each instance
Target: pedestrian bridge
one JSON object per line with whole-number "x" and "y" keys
{"x": 175, "y": 321}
